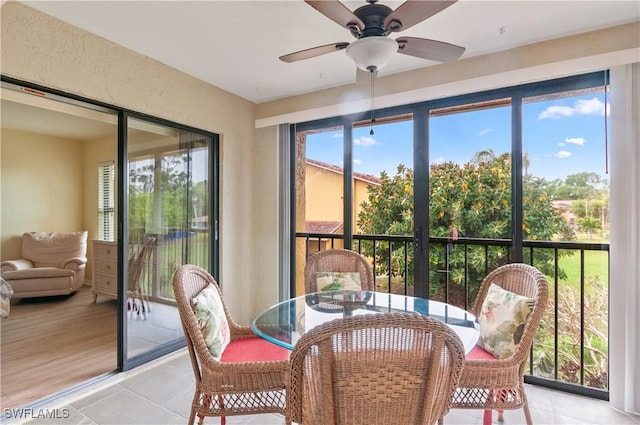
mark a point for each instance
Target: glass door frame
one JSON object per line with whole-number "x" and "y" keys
{"x": 124, "y": 362}
{"x": 121, "y": 213}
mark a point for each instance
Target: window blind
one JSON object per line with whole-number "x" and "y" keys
{"x": 106, "y": 201}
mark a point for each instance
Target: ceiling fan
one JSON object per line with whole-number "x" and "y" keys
{"x": 371, "y": 25}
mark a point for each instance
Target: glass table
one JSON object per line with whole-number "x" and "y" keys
{"x": 284, "y": 323}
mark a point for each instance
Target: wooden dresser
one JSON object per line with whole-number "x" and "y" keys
{"x": 104, "y": 269}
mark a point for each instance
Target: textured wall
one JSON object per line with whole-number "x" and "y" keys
{"x": 581, "y": 53}
{"x": 44, "y": 50}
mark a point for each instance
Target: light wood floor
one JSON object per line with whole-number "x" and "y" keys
{"x": 50, "y": 344}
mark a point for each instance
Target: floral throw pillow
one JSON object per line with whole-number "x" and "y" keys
{"x": 335, "y": 281}
{"x": 209, "y": 311}
{"x": 502, "y": 319}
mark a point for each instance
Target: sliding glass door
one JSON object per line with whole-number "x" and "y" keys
{"x": 512, "y": 175}
{"x": 470, "y": 196}
{"x": 169, "y": 222}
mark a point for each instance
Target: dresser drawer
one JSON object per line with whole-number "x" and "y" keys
{"x": 106, "y": 266}
{"x": 105, "y": 284}
{"x": 105, "y": 250}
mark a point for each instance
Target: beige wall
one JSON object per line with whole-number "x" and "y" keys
{"x": 42, "y": 187}
{"x": 44, "y": 50}
{"x": 264, "y": 255}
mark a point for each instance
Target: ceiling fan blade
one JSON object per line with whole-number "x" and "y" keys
{"x": 412, "y": 12}
{"x": 364, "y": 77}
{"x": 429, "y": 49}
{"x": 337, "y": 12}
{"x": 313, "y": 52}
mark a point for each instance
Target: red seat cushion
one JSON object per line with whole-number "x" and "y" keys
{"x": 478, "y": 353}
{"x": 253, "y": 349}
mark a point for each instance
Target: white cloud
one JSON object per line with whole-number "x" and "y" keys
{"x": 590, "y": 107}
{"x": 580, "y": 107}
{"x": 563, "y": 154}
{"x": 364, "y": 141}
{"x": 556, "y": 112}
{"x": 575, "y": 140}
{"x": 562, "y": 144}
{"x": 337, "y": 136}
{"x": 357, "y": 162}
{"x": 437, "y": 160}
{"x": 485, "y": 131}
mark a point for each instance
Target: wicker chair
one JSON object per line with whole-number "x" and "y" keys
{"x": 140, "y": 257}
{"x": 250, "y": 376}
{"x": 338, "y": 260}
{"x": 374, "y": 369}
{"x": 498, "y": 384}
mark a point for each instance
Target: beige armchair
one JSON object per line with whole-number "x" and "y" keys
{"x": 51, "y": 264}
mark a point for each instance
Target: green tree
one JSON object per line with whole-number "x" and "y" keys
{"x": 581, "y": 186}
{"x": 590, "y": 195}
{"x": 171, "y": 181}
{"x": 389, "y": 211}
{"x": 472, "y": 201}
{"x": 588, "y": 225}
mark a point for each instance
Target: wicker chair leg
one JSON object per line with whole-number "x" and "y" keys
{"x": 486, "y": 419}
{"x": 223, "y": 419}
{"x": 527, "y": 413}
{"x": 206, "y": 399}
{"x": 500, "y": 415}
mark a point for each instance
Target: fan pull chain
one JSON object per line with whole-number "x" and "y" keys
{"x": 372, "y": 78}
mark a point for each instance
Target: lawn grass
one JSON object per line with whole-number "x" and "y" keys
{"x": 596, "y": 266}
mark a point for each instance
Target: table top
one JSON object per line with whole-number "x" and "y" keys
{"x": 284, "y": 323}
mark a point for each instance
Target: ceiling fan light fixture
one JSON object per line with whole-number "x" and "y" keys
{"x": 372, "y": 53}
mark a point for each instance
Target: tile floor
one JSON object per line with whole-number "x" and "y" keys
{"x": 161, "y": 392}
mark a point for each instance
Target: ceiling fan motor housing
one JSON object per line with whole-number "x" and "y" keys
{"x": 373, "y": 16}
{"x": 372, "y": 24}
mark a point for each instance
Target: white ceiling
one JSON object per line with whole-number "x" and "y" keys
{"x": 235, "y": 45}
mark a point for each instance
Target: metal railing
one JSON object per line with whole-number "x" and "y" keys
{"x": 571, "y": 348}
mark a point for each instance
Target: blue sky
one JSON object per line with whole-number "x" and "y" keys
{"x": 561, "y": 136}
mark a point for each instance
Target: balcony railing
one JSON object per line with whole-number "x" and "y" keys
{"x": 571, "y": 348}
{"x": 173, "y": 248}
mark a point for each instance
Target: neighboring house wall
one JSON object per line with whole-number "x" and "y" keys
{"x": 42, "y": 187}
{"x": 360, "y": 194}
{"x": 324, "y": 193}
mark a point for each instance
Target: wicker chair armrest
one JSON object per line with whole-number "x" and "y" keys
{"x": 490, "y": 373}
{"x": 222, "y": 377}
{"x": 239, "y": 332}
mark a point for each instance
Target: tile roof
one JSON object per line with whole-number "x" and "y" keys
{"x": 358, "y": 176}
